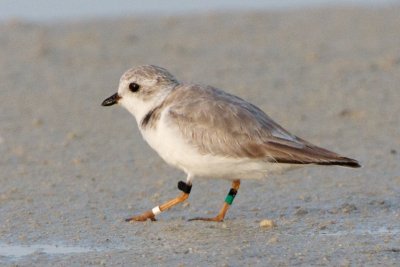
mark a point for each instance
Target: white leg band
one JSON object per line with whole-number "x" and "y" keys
{"x": 156, "y": 210}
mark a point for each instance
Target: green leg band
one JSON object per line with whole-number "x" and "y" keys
{"x": 231, "y": 196}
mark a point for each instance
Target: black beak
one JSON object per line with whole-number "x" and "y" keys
{"x": 111, "y": 100}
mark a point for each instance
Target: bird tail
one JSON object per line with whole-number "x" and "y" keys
{"x": 309, "y": 154}
{"x": 342, "y": 161}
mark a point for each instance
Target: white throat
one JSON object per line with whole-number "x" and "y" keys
{"x": 140, "y": 108}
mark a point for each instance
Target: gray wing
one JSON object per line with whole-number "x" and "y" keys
{"x": 222, "y": 124}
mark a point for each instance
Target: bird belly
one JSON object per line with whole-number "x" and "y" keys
{"x": 168, "y": 142}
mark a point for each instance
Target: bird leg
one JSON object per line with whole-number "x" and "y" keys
{"x": 228, "y": 202}
{"x": 151, "y": 214}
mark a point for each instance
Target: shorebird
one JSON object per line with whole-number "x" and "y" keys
{"x": 206, "y": 132}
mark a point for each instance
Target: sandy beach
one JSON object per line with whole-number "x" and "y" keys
{"x": 72, "y": 170}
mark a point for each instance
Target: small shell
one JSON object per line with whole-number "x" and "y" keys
{"x": 266, "y": 223}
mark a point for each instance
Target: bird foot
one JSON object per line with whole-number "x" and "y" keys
{"x": 148, "y": 215}
{"x": 214, "y": 219}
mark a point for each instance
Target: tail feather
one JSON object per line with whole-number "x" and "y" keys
{"x": 310, "y": 154}
{"x": 342, "y": 161}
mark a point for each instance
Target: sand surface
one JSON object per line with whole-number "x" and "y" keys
{"x": 71, "y": 170}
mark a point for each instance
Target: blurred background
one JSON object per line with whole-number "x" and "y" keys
{"x": 48, "y": 10}
{"x": 72, "y": 170}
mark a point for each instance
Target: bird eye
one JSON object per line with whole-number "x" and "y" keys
{"x": 134, "y": 87}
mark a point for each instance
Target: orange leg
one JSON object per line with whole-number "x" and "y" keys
{"x": 228, "y": 202}
{"x": 151, "y": 214}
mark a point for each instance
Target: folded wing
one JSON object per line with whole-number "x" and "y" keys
{"x": 222, "y": 124}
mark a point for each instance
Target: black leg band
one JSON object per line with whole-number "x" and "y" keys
{"x": 232, "y": 192}
{"x": 184, "y": 187}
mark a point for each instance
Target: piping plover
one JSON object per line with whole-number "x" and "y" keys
{"x": 207, "y": 132}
